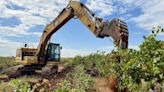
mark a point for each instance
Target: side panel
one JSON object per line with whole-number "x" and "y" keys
{"x": 26, "y": 56}
{"x": 18, "y": 55}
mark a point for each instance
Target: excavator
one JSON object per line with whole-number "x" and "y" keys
{"x": 46, "y": 57}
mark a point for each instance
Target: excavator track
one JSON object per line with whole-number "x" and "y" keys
{"x": 43, "y": 71}
{"x": 48, "y": 71}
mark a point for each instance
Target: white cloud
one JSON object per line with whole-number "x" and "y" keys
{"x": 38, "y": 12}
{"x": 35, "y": 12}
{"x": 8, "y": 48}
{"x": 103, "y": 7}
{"x": 137, "y": 33}
{"x": 153, "y": 14}
{"x": 162, "y": 34}
{"x": 67, "y": 52}
{"x": 41, "y": 12}
{"x": 136, "y": 47}
{"x": 106, "y": 48}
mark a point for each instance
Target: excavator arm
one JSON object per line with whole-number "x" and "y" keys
{"x": 116, "y": 28}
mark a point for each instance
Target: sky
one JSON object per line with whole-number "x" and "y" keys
{"x": 23, "y": 21}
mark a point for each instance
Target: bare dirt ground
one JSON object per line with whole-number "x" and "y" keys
{"x": 52, "y": 81}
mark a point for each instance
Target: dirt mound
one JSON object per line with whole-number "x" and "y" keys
{"x": 51, "y": 83}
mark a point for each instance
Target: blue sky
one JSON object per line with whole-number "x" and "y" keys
{"x": 23, "y": 21}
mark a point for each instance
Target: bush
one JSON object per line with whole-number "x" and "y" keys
{"x": 130, "y": 66}
{"x": 78, "y": 81}
{"x": 21, "y": 86}
{"x": 6, "y": 62}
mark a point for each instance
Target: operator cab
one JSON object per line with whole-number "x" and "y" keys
{"x": 53, "y": 52}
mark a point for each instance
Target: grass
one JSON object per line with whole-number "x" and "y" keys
{"x": 6, "y": 62}
{"x": 33, "y": 78}
{"x": 3, "y": 76}
{"x": 6, "y": 87}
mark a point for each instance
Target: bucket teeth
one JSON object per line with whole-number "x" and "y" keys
{"x": 123, "y": 26}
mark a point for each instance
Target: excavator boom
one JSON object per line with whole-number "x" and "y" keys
{"x": 116, "y": 28}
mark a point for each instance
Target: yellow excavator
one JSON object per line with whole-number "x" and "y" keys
{"x": 46, "y": 57}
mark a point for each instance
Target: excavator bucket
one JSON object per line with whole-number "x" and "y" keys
{"x": 118, "y": 30}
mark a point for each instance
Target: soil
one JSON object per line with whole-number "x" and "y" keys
{"x": 52, "y": 81}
